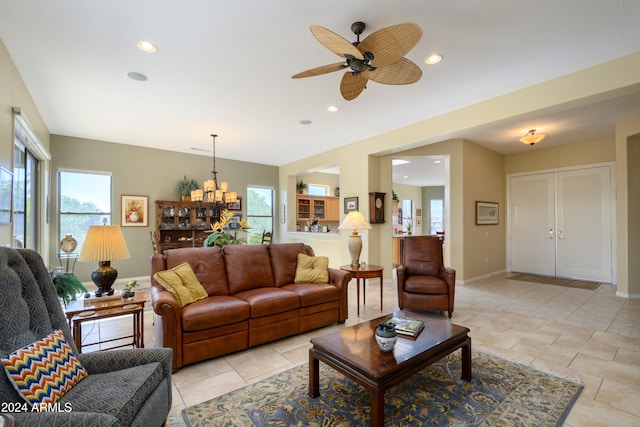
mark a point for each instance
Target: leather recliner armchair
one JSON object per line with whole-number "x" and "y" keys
{"x": 424, "y": 282}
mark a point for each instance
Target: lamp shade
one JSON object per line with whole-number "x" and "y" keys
{"x": 354, "y": 221}
{"x": 104, "y": 243}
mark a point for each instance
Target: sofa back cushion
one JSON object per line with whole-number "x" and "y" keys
{"x": 248, "y": 267}
{"x": 422, "y": 255}
{"x": 284, "y": 260}
{"x": 206, "y": 262}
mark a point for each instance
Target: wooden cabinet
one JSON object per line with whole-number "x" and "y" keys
{"x": 323, "y": 208}
{"x": 183, "y": 224}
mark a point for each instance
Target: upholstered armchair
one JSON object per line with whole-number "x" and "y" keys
{"x": 424, "y": 283}
{"x": 122, "y": 388}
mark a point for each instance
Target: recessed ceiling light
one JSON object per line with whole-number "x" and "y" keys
{"x": 433, "y": 59}
{"x": 305, "y": 122}
{"x": 332, "y": 108}
{"x": 405, "y": 177}
{"x": 137, "y": 76}
{"x": 147, "y": 46}
{"x": 437, "y": 161}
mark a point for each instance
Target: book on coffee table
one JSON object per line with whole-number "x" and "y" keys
{"x": 406, "y": 325}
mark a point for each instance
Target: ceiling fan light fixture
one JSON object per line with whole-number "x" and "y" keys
{"x": 332, "y": 108}
{"x": 433, "y": 59}
{"x": 531, "y": 137}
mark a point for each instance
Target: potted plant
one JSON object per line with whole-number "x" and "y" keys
{"x": 301, "y": 187}
{"x": 67, "y": 285}
{"x": 409, "y": 227}
{"x": 184, "y": 188}
{"x": 225, "y": 231}
{"x": 128, "y": 292}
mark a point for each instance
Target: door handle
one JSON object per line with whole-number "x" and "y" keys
{"x": 551, "y": 233}
{"x": 560, "y": 235}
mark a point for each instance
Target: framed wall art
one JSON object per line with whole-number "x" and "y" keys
{"x": 6, "y": 196}
{"x": 134, "y": 211}
{"x": 237, "y": 206}
{"x": 486, "y": 213}
{"x": 350, "y": 204}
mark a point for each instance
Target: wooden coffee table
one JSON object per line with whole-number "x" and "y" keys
{"x": 353, "y": 351}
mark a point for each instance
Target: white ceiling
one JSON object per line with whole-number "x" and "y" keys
{"x": 225, "y": 67}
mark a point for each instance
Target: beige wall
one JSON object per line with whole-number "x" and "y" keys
{"x": 145, "y": 172}
{"x": 13, "y": 93}
{"x": 628, "y": 206}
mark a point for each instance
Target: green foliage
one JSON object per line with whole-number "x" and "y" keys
{"x": 394, "y": 196}
{"x": 300, "y": 186}
{"x": 67, "y": 285}
{"x": 185, "y": 186}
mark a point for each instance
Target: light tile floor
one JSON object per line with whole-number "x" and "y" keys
{"x": 591, "y": 336}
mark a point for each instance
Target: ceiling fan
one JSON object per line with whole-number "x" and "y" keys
{"x": 379, "y": 57}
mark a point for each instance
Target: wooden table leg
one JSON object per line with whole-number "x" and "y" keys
{"x": 141, "y": 326}
{"x": 466, "y": 360}
{"x": 377, "y": 408}
{"x": 358, "y": 292}
{"x": 380, "y": 291}
{"x": 77, "y": 335}
{"x": 314, "y": 375}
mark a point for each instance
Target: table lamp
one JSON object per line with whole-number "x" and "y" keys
{"x": 103, "y": 244}
{"x": 354, "y": 221}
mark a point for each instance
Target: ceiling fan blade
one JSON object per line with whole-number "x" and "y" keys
{"x": 391, "y": 43}
{"x": 401, "y": 72}
{"x": 352, "y": 85}
{"x": 320, "y": 70}
{"x": 335, "y": 43}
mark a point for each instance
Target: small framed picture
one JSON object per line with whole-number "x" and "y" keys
{"x": 350, "y": 204}
{"x": 134, "y": 211}
{"x": 237, "y": 206}
{"x": 486, "y": 213}
{"x": 283, "y": 214}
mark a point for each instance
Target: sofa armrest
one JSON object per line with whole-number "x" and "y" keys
{"x": 341, "y": 279}
{"x": 54, "y": 419}
{"x": 100, "y": 362}
{"x": 167, "y": 322}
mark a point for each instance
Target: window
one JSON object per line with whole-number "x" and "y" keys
{"x": 84, "y": 199}
{"x": 407, "y": 215}
{"x": 317, "y": 190}
{"x": 25, "y": 187}
{"x": 259, "y": 212}
{"x": 436, "y": 212}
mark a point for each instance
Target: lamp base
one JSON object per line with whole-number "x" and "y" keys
{"x": 103, "y": 277}
{"x": 355, "y": 247}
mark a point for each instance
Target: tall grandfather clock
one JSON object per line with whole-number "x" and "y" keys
{"x": 376, "y": 208}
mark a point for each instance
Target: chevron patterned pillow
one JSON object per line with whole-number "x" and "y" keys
{"x": 44, "y": 371}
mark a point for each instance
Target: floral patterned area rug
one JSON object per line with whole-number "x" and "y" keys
{"x": 501, "y": 393}
{"x": 556, "y": 281}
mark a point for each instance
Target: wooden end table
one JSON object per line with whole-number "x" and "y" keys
{"x": 364, "y": 272}
{"x": 354, "y": 352}
{"x": 104, "y": 308}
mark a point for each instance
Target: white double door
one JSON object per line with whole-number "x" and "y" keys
{"x": 560, "y": 223}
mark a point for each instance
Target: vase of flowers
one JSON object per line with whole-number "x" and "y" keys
{"x": 225, "y": 231}
{"x": 314, "y": 224}
{"x": 128, "y": 292}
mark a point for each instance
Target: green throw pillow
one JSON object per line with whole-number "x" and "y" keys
{"x": 312, "y": 269}
{"x": 183, "y": 284}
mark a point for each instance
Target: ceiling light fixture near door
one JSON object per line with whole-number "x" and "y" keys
{"x": 147, "y": 46}
{"x": 531, "y": 137}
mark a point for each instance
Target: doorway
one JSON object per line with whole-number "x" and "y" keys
{"x": 561, "y": 223}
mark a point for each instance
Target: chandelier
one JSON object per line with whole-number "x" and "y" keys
{"x": 532, "y": 137}
{"x": 215, "y": 191}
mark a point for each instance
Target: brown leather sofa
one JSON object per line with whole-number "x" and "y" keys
{"x": 424, "y": 282}
{"x": 252, "y": 299}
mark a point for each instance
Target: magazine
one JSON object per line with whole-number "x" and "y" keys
{"x": 406, "y": 326}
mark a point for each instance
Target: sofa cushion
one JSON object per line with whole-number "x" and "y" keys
{"x": 207, "y": 263}
{"x": 268, "y": 301}
{"x": 284, "y": 260}
{"x": 248, "y": 267}
{"x": 213, "y": 312}
{"x": 312, "y": 269}
{"x": 426, "y": 285}
{"x": 314, "y": 293}
{"x": 45, "y": 370}
{"x": 183, "y": 284}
